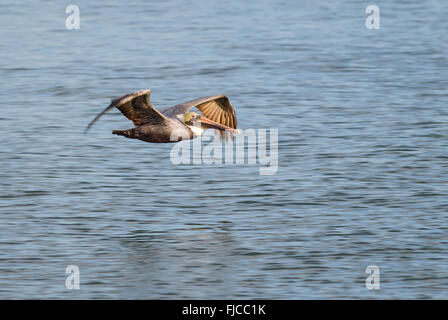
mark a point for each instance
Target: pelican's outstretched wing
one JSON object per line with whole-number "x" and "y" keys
{"x": 216, "y": 108}
{"x": 136, "y": 107}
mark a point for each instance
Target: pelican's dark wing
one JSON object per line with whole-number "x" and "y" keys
{"x": 216, "y": 108}
{"x": 136, "y": 107}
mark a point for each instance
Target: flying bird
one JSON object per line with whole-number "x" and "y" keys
{"x": 175, "y": 123}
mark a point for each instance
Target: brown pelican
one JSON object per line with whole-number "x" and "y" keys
{"x": 175, "y": 123}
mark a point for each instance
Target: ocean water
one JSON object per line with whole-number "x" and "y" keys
{"x": 362, "y": 151}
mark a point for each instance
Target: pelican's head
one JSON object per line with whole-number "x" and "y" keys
{"x": 191, "y": 117}
{"x": 198, "y": 123}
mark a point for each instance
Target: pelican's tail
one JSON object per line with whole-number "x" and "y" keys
{"x": 125, "y": 133}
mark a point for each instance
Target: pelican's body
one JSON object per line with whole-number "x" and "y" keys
{"x": 171, "y": 131}
{"x": 175, "y": 123}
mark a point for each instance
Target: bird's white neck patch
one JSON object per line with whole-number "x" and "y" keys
{"x": 196, "y": 131}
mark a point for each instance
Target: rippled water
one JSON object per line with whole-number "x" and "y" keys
{"x": 362, "y": 119}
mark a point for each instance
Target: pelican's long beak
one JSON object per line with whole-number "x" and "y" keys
{"x": 207, "y": 123}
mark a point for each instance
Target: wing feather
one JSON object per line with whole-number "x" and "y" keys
{"x": 136, "y": 107}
